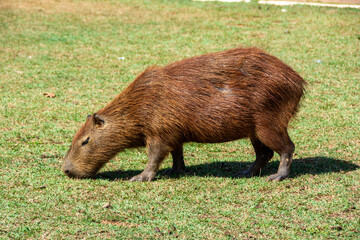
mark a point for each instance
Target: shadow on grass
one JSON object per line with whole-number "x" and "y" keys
{"x": 302, "y": 166}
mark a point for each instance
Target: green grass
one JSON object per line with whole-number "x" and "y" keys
{"x": 74, "y": 48}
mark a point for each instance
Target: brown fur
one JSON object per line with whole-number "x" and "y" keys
{"x": 211, "y": 98}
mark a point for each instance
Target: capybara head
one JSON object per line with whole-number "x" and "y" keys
{"x": 91, "y": 147}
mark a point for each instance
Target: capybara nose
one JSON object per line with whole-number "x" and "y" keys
{"x": 69, "y": 173}
{"x": 67, "y": 168}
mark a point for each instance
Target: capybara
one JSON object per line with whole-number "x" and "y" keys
{"x": 212, "y": 98}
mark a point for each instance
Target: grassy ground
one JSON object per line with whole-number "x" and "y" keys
{"x": 71, "y": 49}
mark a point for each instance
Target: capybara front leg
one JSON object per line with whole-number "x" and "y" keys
{"x": 263, "y": 156}
{"x": 157, "y": 151}
{"x": 178, "y": 161}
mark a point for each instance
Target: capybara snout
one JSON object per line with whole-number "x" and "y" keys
{"x": 216, "y": 97}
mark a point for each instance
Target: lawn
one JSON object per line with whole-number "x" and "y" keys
{"x": 86, "y": 52}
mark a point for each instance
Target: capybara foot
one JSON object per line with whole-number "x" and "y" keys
{"x": 248, "y": 173}
{"x": 277, "y": 177}
{"x": 144, "y": 176}
{"x": 245, "y": 174}
{"x": 174, "y": 171}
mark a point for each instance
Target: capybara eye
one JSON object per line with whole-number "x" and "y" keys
{"x": 86, "y": 141}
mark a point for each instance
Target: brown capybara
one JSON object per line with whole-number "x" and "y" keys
{"x": 212, "y": 98}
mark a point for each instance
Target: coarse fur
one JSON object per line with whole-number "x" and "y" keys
{"x": 212, "y": 98}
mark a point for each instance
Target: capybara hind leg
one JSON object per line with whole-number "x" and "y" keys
{"x": 178, "y": 161}
{"x": 157, "y": 151}
{"x": 281, "y": 143}
{"x": 263, "y": 156}
{"x": 285, "y": 164}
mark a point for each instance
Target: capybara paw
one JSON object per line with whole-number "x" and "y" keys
{"x": 144, "y": 176}
{"x": 174, "y": 171}
{"x": 277, "y": 177}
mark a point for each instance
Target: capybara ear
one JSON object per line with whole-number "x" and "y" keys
{"x": 98, "y": 120}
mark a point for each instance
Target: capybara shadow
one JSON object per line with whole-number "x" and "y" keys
{"x": 301, "y": 166}
{"x": 212, "y": 98}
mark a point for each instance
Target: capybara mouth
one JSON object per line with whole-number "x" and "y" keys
{"x": 72, "y": 174}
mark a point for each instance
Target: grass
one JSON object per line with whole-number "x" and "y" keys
{"x": 71, "y": 48}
